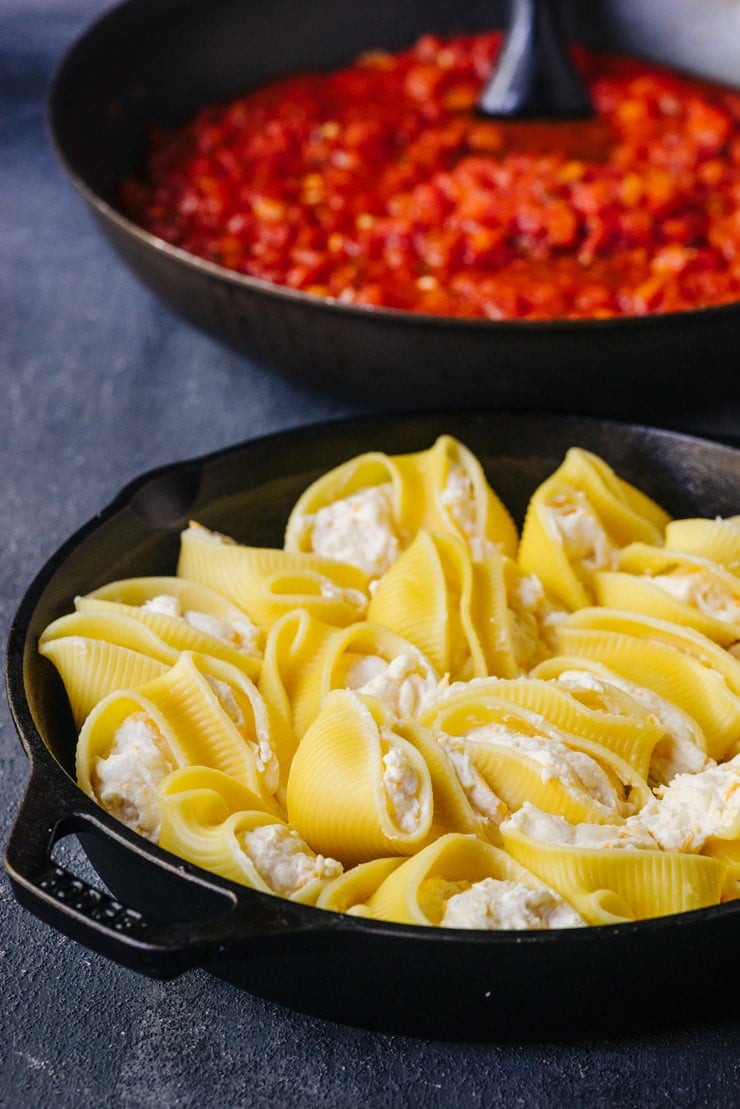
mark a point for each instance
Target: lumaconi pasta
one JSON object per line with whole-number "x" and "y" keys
{"x": 408, "y": 713}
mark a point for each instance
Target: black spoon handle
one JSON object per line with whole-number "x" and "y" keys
{"x": 535, "y": 76}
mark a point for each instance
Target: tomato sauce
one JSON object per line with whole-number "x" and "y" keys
{"x": 380, "y": 185}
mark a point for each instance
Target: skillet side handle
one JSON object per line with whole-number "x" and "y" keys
{"x": 52, "y": 808}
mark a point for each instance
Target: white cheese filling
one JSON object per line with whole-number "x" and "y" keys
{"x": 703, "y": 591}
{"x": 676, "y": 752}
{"x": 695, "y": 807}
{"x": 359, "y": 529}
{"x": 557, "y": 831}
{"x": 240, "y": 633}
{"x": 284, "y": 860}
{"x": 576, "y": 771}
{"x": 585, "y": 541}
{"x": 458, "y": 497}
{"x": 125, "y": 781}
{"x": 407, "y": 684}
{"x": 502, "y": 905}
{"x": 478, "y": 792}
{"x": 402, "y": 789}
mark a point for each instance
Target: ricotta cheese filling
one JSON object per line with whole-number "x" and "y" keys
{"x": 557, "y": 831}
{"x": 458, "y": 497}
{"x": 402, "y": 789}
{"x": 125, "y": 781}
{"x": 478, "y": 792}
{"x": 533, "y": 622}
{"x": 407, "y": 684}
{"x": 576, "y": 771}
{"x": 241, "y": 633}
{"x": 284, "y": 860}
{"x": 497, "y": 905}
{"x": 266, "y": 760}
{"x": 584, "y": 540}
{"x": 703, "y": 591}
{"x": 676, "y": 752}
{"x": 694, "y": 807}
{"x": 359, "y": 529}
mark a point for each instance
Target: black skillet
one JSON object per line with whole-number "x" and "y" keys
{"x": 154, "y": 62}
{"x": 165, "y": 916}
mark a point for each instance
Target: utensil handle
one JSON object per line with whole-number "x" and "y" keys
{"x": 53, "y": 807}
{"x": 535, "y": 76}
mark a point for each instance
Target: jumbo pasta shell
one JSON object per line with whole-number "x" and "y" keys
{"x": 683, "y": 746}
{"x": 610, "y": 885}
{"x": 627, "y": 513}
{"x": 427, "y": 599}
{"x": 717, "y": 539}
{"x": 564, "y": 543}
{"x": 305, "y": 660}
{"x": 125, "y": 747}
{"x": 207, "y": 818}
{"x": 371, "y": 471}
{"x": 97, "y": 653}
{"x": 267, "y": 583}
{"x": 685, "y": 589}
{"x": 341, "y": 788}
{"x": 694, "y": 687}
{"x": 607, "y": 717}
{"x": 460, "y": 501}
{"x": 209, "y": 623}
{"x": 219, "y": 720}
{"x": 523, "y": 758}
{"x": 416, "y": 892}
{"x": 351, "y": 890}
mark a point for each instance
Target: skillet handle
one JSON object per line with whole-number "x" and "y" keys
{"x": 52, "y": 808}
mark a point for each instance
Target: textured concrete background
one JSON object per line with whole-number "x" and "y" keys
{"x": 99, "y": 383}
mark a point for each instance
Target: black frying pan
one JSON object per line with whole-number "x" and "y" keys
{"x": 170, "y": 916}
{"x": 156, "y": 61}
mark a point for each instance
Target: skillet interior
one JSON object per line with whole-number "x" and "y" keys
{"x": 384, "y": 976}
{"x": 155, "y": 62}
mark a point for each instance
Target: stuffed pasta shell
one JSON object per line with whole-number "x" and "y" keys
{"x": 611, "y": 874}
{"x": 460, "y": 882}
{"x": 681, "y": 747}
{"x": 523, "y": 757}
{"x": 686, "y": 589}
{"x": 306, "y": 659}
{"x": 717, "y": 539}
{"x": 267, "y": 583}
{"x": 367, "y": 510}
{"x": 576, "y": 523}
{"x": 680, "y": 664}
{"x": 96, "y": 653}
{"x": 186, "y": 615}
{"x": 215, "y": 822}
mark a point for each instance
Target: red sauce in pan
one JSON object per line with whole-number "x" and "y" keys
{"x": 379, "y": 185}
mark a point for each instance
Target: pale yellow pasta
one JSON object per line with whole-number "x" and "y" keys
{"x": 523, "y": 757}
{"x": 97, "y": 653}
{"x": 212, "y": 821}
{"x": 185, "y": 615}
{"x": 267, "y": 583}
{"x": 421, "y": 890}
{"x": 409, "y": 714}
{"x": 305, "y": 659}
{"x": 682, "y": 747}
{"x": 613, "y": 884}
{"x": 682, "y": 665}
{"x": 717, "y": 539}
{"x": 685, "y": 589}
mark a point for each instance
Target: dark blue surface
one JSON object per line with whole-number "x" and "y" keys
{"x": 99, "y": 383}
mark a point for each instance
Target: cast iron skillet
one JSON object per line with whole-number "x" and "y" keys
{"x": 169, "y": 916}
{"x": 156, "y": 61}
